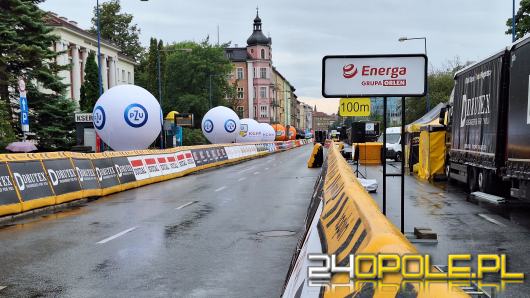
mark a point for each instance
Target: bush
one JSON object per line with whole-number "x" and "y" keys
{"x": 192, "y": 137}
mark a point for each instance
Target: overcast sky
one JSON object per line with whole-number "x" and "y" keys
{"x": 303, "y": 31}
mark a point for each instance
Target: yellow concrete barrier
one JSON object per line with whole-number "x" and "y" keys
{"x": 34, "y": 180}
{"x": 317, "y": 156}
{"x": 351, "y": 223}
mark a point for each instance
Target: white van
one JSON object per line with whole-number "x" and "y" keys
{"x": 393, "y": 143}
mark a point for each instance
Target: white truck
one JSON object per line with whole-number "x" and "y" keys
{"x": 393, "y": 143}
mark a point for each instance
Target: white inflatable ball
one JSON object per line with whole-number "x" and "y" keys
{"x": 268, "y": 133}
{"x": 127, "y": 117}
{"x": 249, "y": 132}
{"x": 220, "y": 125}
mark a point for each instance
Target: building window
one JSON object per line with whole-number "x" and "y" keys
{"x": 240, "y": 93}
{"x": 255, "y": 93}
{"x": 262, "y": 53}
{"x": 263, "y": 72}
{"x": 255, "y": 111}
{"x": 240, "y": 111}
{"x": 263, "y": 112}
{"x": 129, "y": 79}
{"x": 239, "y": 73}
{"x": 262, "y": 92}
{"x": 123, "y": 75}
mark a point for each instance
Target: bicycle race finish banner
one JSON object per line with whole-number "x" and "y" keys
{"x": 374, "y": 75}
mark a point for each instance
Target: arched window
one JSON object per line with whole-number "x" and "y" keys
{"x": 262, "y": 53}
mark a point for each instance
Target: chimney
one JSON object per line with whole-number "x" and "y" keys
{"x": 235, "y": 45}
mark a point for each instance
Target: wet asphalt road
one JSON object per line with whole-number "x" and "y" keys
{"x": 197, "y": 236}
{"x": 462, "y": 226}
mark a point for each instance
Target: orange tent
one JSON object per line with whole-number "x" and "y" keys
{"x": 280, "y": 132}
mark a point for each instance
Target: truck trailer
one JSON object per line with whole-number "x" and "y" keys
{"x": 490, "y": 124}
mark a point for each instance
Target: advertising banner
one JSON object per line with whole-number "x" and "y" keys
{"x": 139, "y": 168}
{"x": 173, "y": 163}
{"x": 518, "y": 144}
{"x": 62, "y": 175}
{"x": 30, "y": 179}
{"x": 8, "y": 194}
{"x": 476, "y": 102}
{"x": 189, "y": 159}
{"x": 200, "y": 157}
{"x": 163, "y": 164}
{"x": 181, "y": 159}
{"x": 124, "y": 170}
{"x": 152, "y": 166}
{"x": 106, "y": 172}
{"x": 86, "y": 173}
{"x": 222, "y": 153}
{"x": 374, "y": 75}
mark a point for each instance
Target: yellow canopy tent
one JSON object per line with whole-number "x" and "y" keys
{"x": 431, "y": 151}
{"x": 412, "y": 147}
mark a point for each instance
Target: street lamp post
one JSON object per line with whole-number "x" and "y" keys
{"x": 402, "y": 39}
{"x": 99, "y": 49}
{"x": 513, "y": 21}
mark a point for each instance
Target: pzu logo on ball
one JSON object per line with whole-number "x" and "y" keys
{"x": 135, "y": 115}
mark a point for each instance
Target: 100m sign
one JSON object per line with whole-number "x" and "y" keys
{"x": 354, "y": 107}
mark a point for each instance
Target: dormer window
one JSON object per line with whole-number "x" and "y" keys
{"x": 262, "y": 53}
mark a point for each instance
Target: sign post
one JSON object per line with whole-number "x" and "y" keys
{"x": 377, "y": 76}
{"x": 24, "y": 110}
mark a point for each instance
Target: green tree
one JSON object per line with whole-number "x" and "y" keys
{"x": 26, "y": 52}
{"x": 441, "y": 83}
{"x": 118, "y": 28}
{"x": 522, "y": 20}
{"x": 189, "y": 67}
{"x": 90, "y": 87}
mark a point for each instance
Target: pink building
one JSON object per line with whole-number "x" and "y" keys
{"x": 253, "y": 76}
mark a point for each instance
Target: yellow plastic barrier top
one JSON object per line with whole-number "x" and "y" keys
{"x": 351, "y": 224}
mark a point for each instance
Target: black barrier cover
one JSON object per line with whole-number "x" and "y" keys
{"x": 86, "y": 173}
{"x": 62, "y": 175}
{"x": 106, "y": 172}
{"x": 222, "y": 153}
{"x": 8, "y": 195}
{"x": 476, "y": 108}
{"x": 30, "y": 179}
{"x": 200, "y": 156}
{"x": 211, "y": 155}
{"x": 123, "y": 169}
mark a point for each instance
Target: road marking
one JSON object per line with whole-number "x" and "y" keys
{"x": 220, "y": 188}
{"x": 241, "y": 179}
{"x": 492, "y": 220}
{"x": 247, "y": 169}
{"x": 256, "y": 173}
{"x": 186, "y": 205}
{"x": 2, "y": 287}
{"x": 116, "y": 236}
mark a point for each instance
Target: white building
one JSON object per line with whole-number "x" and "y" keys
{"x": 117, "y": 69}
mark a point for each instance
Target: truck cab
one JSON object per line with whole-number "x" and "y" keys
{"x": 393, "y": 143}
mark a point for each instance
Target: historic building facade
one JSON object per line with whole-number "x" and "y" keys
{"x": 76, "y": 43}
{"x": 263, "y": 92}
